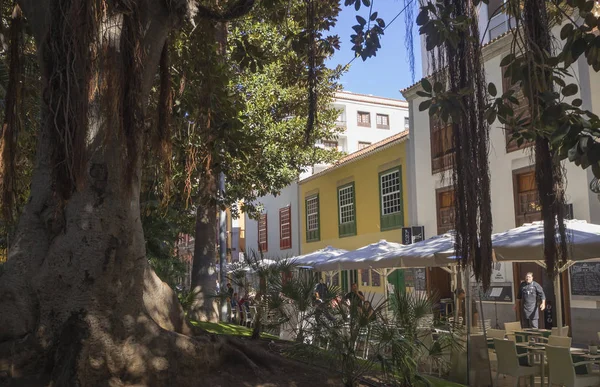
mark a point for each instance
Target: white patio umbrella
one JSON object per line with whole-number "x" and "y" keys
{"x": 526, "y": 244}
{"x": 363, "y": 258}
{"x": 322, "y": 255}
{"x": 435, "y": 251}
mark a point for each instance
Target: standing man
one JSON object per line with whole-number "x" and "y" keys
{"x": 322, "y": 289}
{"x": 527, "y": 301}
{"x": 229, "y": 290}
{"x": 355, "y": 296}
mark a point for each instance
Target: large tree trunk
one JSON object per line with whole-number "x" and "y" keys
{"x": 204, "y": 275}
{"x": 78, "y": 300}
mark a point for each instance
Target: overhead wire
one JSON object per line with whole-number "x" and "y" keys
{"x": 384, "y": 28}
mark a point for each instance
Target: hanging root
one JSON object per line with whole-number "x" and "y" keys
{"x": 11, "y": 126}
{"x": 165, "y": 108}
{"x": 68, "y": 62}
{"x": 132, "y": 55}
{"x": 470, "y": 139}
{"x": 548, "y": 172}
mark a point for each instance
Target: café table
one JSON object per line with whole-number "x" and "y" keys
{"x": 536, "y": 333}
{"x": 583, "y": 355}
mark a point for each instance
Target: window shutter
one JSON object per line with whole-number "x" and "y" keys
{"x": 391, "y": 204}
{"x": 312, "y": 235}
{"x": 346, "y": 227}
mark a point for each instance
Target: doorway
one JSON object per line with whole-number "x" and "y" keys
{"x": 438, "y": 284}
{"x": 547, "y": 320}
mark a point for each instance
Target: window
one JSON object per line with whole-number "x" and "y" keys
{"x": 312, "y": 218}
{"x": 390, "y": 199}
{"x": 285, "y": 228}
{"x": 445, "y": 210}
{"x": 364, "y": 119}
{"x": 375, "y": 278}
{"x": 363, "y": 144}
{"x": 383, "y": 121}
{"x": 521, "y": 112}
{"x": 263, "y": 244}
{"x": 442, "y": 146}
{"x": 329, "y": 144}
{"x": 527, "y": 199}
{"x": 364, "y": 277}
{"x": 406, "y": 122}
{"x": 347, "y": 214}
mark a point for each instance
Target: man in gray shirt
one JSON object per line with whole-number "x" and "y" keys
{"x": 529, "y": 292}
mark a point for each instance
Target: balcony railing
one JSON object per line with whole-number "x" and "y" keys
{"x": 442, "y": 163}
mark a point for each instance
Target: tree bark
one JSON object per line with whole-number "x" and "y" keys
{"x": 79, "y": 303}
{"x": 204, "y": 275}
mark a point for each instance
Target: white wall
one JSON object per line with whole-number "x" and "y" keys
{"x": 423, "y": 184}
{"x": 353, "y": 103}
{"x": 502, "y": 164}
{"x": 272, "y": 205}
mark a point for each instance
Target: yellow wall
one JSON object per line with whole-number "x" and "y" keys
{"x": 365, "y": 175}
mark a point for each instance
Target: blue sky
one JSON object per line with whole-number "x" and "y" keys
{"x": 388, "y": 72}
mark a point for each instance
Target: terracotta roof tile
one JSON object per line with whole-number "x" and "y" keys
{"x": 363, "y": 152}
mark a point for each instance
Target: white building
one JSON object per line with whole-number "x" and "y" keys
{"x": 366, "y": 120}
{"x": 514, "y": 197}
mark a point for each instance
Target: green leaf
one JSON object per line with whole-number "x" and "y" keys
{"x": 423, "y": 94}
{"x": 367, "y": 3}
{"x": 426, "y": 85}
{"x": 507, "y": 60}
{"x": 492, "y": 89}
{"x": 559, "y": 81}
{"x": 491, "y": 117}
{"x": 570, "y": 90}
{"x": 589, "y": 5}
{"x": 578, "y": 48}
{"x": 361, "y": 20}
{"x": 424, "y": 105}
{"x": 422, "y": 17}
{"x": 566, "y": 31}
{"x": 373, "y": 16}
{"x": 577, "y": 102}
{"x": 591, "y": 20}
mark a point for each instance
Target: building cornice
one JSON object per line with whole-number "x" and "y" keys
{"x": 361, "y": 154}
{"x": 355, "y": 97}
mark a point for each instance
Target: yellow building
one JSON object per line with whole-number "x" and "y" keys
{"x": 359, "y": 200}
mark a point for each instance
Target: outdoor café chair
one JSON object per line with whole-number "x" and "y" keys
{"x": 562, "y": 369}
{"x": 508, "y": 362}
{"x": 560, "y": 341}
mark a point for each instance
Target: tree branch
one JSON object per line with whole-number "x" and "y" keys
{"x": 234, "y": 11}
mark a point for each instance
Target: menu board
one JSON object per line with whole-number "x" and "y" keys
{"x": 497, "y": 292}
{"x": 585, "y": 279}
{"x": 415, "y": 278}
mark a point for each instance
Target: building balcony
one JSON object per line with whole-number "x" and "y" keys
{"x": 442, "y": 163}
{"x": 341, "y": 123}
